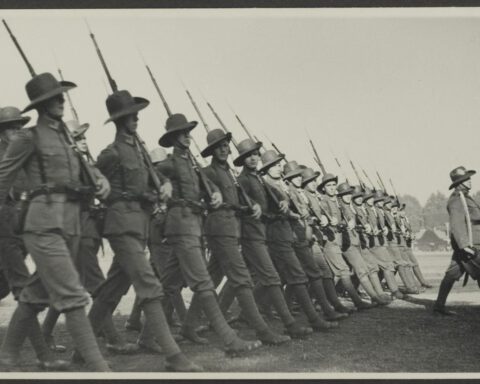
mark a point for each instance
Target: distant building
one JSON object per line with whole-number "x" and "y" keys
{"x": 432, "y": 240}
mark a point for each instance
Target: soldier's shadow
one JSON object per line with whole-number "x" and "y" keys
{"x": 427, "y": 303}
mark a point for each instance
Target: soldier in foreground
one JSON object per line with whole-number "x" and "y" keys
{"x": 51, "y": 231}
{"x": 129, "y": 207}
{"x": 464, "y": 219}
{"x": 183, "y": 231}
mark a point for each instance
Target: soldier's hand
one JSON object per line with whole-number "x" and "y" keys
{"x": 351, "y": 224}
{"x": 385, "y": 231}
{"x": 376, "y": 232}
{"x": 257, "y": 211}
{"x": 334, "y": 221}
{"x": 217, "y": 200}
{"x": 368, "y": 229}
{"x": 469, "y": 250}
{"x": 166, "y": 191}
{"x": 323, "y": 221}
{"x": 103, "y": 188}
{"x": 283, "y": 205}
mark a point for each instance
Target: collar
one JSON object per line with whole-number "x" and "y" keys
{"x": 47, "y": 121}
{"x": 217, "y": 164}
{"x": 180, "y": 152}
{"x": 124, "y": 138}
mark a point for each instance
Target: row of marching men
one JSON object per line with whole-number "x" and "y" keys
{"x": 271, "y": 230}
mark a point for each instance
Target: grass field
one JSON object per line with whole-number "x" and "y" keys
{"x": 404, "y": 337}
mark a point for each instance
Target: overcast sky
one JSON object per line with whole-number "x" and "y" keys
{"x": 398, "y": 91}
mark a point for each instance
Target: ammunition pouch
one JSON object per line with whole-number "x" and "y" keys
{"x": 470, "y": 262}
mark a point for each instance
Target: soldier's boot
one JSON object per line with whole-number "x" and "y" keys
{"x": 84, "y": 340}
{"x": 179, "y": 306}
{"x": 332, "y": 297}
{"x": 328, "y": 311}
{"x": 47, "y": 329}
{"x": 368, "y": 286}
{"x": 155, "y": 321}
{"x": 226, "y": 298}
{"x": 189, "y": 327}
{"x": 352, "y": 292}
{"x": 392, "y": 284}
{"x": 410, "y": 287}
{"x": 115, "y": 342}
{"x": 419, "y": 275}
{"x": 252, "y": 315}
{"x": 316, "y": 322}
{"x": 445, "y": 287}
{"x": 292, "y": 328}
{"x": 290, "y": 300}
{"x": 17, "y": 332}
{"x": 45, "y": 357}
{"x": 146, "y": 341}
{"x": 377, "y": 286}
{"x": 264, "y": 302}
{"x": 134, "y": 322}
{"x": 413, "y": 280}
{"x": 234, "y": 346}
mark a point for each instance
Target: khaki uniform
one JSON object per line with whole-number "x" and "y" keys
{"x": 377, "y": 243}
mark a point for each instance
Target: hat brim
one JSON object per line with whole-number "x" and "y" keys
{"x": 238, "y": 161}
{"x": 464, "y": 178}
{"x": 140, "y": 103}
{"x": 311, "y": 178}
{"x": 166, "y": 139}
{"x": 83, "y": 128}
{"x": 292, "y": 174}
{"x": 64, "y": 87}
{"x": 347, "y": 192}
{"x": 22, "y": 119}
{"x": 208, "y": 151}
{"x": 270, "y": 164}
{"x": 322, "y": 184}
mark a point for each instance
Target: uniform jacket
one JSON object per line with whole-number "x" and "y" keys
{"x": 391, "y": 224}
{"x": 123, "y": 165}
{"x": 362, "y": 219}
{"x": 251, "y": 228}
{"x": 373, "y": 220}
{"x": 458, "y": 220}
{"x": 331, "y": 205}
{"x": 279, "y": 230}
{"x": 223, "y": 221}
{"x": 351, "y": 234}
{"x": 183, "y": 220}
{"x": 62, "y": 167}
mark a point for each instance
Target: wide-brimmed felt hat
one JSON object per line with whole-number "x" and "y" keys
{"x": 344, "y": 189}
{"x": 368, "y": 193}
{"x": 459, "y": 175}
{"x": 357, "y": 191}
{"x": 122, "y": 103}
{"x": 395, "y": 201}
{"x": 245, "y": 148}
{"x": 291, "y": 169}
{"x": 270, "y": 158}
{"x": 76, "y": 128}
{"x": 158, "y": 154}
{"x": 43, "y": 87}
{"x": 308, "y": 175}
{"x": 379, "y": 195}
{"x": 175, "y": 123}
{"x": 327, "y": 178}
{"x": 10, "y": 115}
{"x": 214, "y": 138}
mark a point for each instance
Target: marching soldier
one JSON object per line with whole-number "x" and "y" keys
{"x": 333, "y": 244}
{"x": 387, "y": 223}
{"x": 51, "y": 230}
{"x": 304, "y": 236}
{"x": 377, "y": 246}
{"x": 404, "y": 223}
{"x": 352, "y": 248}
{"x": 464, "y": 219}
{"x": 12, "y": 249}
{"x": 310, "y": 185}
{"x": 253, "y": 239}
{"x": 129, "y": 207}
{"x": 222, "y": 228}
{"x": 281, "y": 237}
{"x": 364, "y": 231}
{"x": 183, "y": 231}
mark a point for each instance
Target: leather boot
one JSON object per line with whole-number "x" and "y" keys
{"x": 328, "y": 311}
{"x": 445, "y": 287}
{"x": 368, "y": 286}
{"x": 419, "y": 275}
{"x": 359, "y": 303}
{"x": 332, "y": 297}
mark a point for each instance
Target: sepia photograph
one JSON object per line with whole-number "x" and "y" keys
{"x": 240, "y": 193}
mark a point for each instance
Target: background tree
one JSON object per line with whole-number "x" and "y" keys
{"x": 435, "y": 211}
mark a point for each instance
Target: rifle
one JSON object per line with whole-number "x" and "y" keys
{"x": 394, "y": 191}
{"x": 362, "y": 184}
{"x": 316, "y": 156}
{"x": 341, "y": 169}
{"x": 139, "y": 142}
{"x": 381, "y": 182}
{"x": 92, "y": 179}
{"x": 368, "y": 178}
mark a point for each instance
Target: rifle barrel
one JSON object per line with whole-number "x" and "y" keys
{"x": 19, "y": 48}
